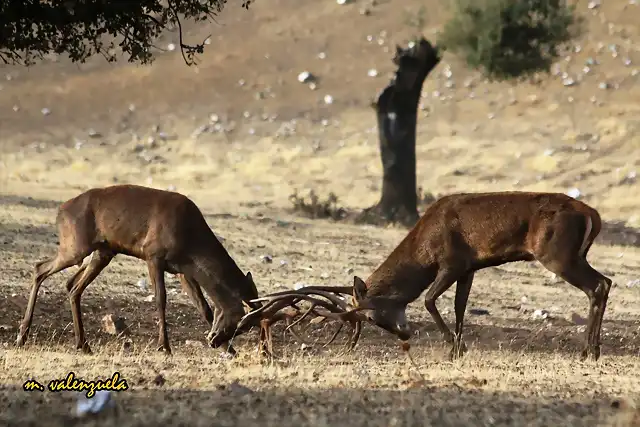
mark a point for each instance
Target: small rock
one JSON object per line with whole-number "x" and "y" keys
{"x": 143, "y": 284}
{"x": 341, "y": 2}
{"x": 322, "y": 55}
{"x": 633, "y": 283}
{"x": 225, "y": 355}
{"x": 372, "y": 72}
{"x": 604, "y": 85}
{"x": 171, "y": 47}
{"x": 593, "y": 4}
{"x": 568, "y": 81}
{"x": 194, "y": 343}
{"x": 113, "y": 325}
{"x": 149, "y": 298}
{"x": 540, "y": 314}
{"x": 306, "y": 77}
{"x": 574, "y": 192}
{"x": 93, "y": 133}
{"x": 167, "y": 137}
{"x": 45, "y": 111}
{"x": 328, "y": 99}
{"x": 479, "y": 311}
{"x": 298, "y": 285}
{"x": 578, "y": 320}
{"x": 266, "y": 259}
{"x": 349, "y": 270}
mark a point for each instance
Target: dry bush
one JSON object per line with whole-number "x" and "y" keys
{"x": 311, "y": 206}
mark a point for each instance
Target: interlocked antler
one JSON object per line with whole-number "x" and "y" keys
{"x": 331, "y": 307}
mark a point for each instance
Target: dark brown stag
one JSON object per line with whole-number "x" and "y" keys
{"x": 460, "y": 234}
{"x": 163, "y": 228}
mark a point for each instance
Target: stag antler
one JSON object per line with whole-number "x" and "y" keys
{"x": 332, "y": 307}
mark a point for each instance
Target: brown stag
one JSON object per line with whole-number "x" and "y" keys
{"x": 167, "y": 231}
{"x": 458, "y": 235}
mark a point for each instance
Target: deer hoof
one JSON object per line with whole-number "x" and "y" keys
{"x": 590, "y": 353}
{"x": 20, "y": 340}
{"x": 457, "y": 351}
{"x": 164, "y": 348}
{"x": 84, "y": 348}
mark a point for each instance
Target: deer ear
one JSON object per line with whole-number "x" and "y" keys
{"x": 359, "y": 288}
{"x": 249, "y": 276}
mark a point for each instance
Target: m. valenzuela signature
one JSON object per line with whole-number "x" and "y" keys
{"x": 72, "y": 383}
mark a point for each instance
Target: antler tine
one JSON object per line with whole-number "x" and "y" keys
{"x": 273, "y": 306}
{"x": 336, "y": 307}
{"x": 304, "y": 293}
{"x": 333, "y": 308}
{"x": 334, "y": 336}
{"x": 304, "y": 315}
{"x": 357, "y": 330}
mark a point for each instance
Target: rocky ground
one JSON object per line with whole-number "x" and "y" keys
{"x": 239, "y": 134}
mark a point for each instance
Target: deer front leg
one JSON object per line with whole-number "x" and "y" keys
{"x": 443, "y": 281}
{"x": 463, "y": 288}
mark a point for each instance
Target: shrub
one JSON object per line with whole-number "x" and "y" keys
{"x": 507, "y": 39}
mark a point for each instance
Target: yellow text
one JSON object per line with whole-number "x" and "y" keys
{"x": 72, "y": 383}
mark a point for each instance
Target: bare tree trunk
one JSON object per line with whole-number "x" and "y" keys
{"x": 397, "y": 110}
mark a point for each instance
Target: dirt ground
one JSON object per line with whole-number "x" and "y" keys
{"x": 273, "y": 136}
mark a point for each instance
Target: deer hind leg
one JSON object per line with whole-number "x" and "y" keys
{"x": 564, "y": 253}
{"x": 444, "y": 280}
{"x": 463, "y": 288}
{"x": 192, "y": 289}
{"x": 42, "y": 270}
{"x": 156, "y": 274}
{"x": 98, "y": 261}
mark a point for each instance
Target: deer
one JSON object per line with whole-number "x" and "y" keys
{"x": 163, "y": 228}
{"x": 458, "y": 235}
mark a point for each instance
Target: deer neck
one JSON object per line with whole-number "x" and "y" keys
{"x": 402, "y": 280}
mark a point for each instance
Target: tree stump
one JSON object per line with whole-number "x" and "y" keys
{"x": 397, "y": 110}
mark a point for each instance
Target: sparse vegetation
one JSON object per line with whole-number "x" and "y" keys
{"x": 509, "y": 39}
{"x": 311, "y": 206}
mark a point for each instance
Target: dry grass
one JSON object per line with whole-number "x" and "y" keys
{"x": 518, "y": 371}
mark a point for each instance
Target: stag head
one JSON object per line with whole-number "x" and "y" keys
{"x": 388, "y": 313}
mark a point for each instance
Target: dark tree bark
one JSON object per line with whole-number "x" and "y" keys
{"x": 397, "y": 110}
